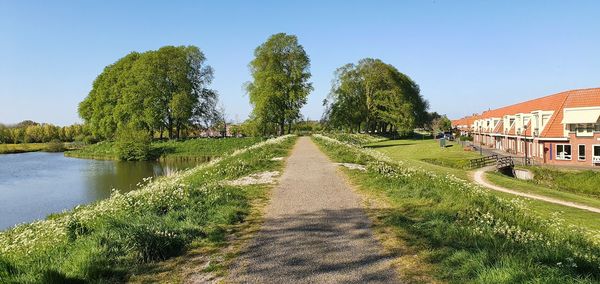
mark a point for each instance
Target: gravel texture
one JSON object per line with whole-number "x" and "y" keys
{"x": 315, "y": 230}
{"x": 259, "y": 178}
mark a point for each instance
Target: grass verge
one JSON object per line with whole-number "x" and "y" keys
{"x": 114, "y": 238}
{"x": 465, "y": 233}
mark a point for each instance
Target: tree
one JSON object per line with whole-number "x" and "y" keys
{"x": 431, "y": 117}
{"x": 4, "y": 134}
{"x": 133, "y": 144}
{"x": 280, "y": 72}
{"x": 375, "y": 95}
{"x": 442, "y": 124}
{"x": 17, "y": 135}
{"x": 151, "y": 91}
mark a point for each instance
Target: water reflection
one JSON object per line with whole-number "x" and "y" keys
{"x": 33, "y": 185}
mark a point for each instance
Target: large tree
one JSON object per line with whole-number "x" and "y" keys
{"x": 376, "y": 96}
{"x": 280, "y": 72}
{"x": 153, "y": 91}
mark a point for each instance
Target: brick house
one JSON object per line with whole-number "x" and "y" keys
{"x": 560, "y": 129}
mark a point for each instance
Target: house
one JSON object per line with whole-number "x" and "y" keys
{"x": 560, "y": 129}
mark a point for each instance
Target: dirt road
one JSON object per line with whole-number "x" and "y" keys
{"x": 314, "y": 231}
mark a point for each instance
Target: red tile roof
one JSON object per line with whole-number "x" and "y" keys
{"x": 584, "y": 98}
{"x": 555, "y": 103}
{"x": 499, "y": 128}
{"x": 467, "y": 120}
{"x": 511, "y": 131}
{"x": 528, "y": 129}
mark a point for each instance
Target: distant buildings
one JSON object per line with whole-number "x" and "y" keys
{"x": 561, "y": 129}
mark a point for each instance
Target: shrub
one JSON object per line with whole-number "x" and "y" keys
{"x": 133, "y": 145}
{"x": 466, "y": 138}
{"x": 55, "y": 146}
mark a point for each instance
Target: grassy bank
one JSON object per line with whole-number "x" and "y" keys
{"x": 462, "y": 233}
{"x": 578, "y": 217}
{"x": 418, "y": 153}
{"x": 579, "y": 182}
{"x": 529, "y": 187}
{"x": 197, "y": 149}
{"x": 110, "y": 240}
{"x": 32, "y": 147}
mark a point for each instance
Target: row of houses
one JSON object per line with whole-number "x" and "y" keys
{"x": 560, "y": 129}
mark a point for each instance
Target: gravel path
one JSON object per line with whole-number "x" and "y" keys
{"x": 479, "y": 177}
{"x": 314, "y": 231}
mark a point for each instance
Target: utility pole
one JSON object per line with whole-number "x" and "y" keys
{"x": 480, "y": 142}
{"x": 525, "y": 137}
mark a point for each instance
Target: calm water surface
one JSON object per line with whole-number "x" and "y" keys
{"x": 33, "y": 185}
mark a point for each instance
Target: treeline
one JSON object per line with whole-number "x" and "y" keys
{"x": 160, "y": 91}
{"x": 32, "y": 132}
{"x": 373, "y": 96}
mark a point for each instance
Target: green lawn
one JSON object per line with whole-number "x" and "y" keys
{"x": 428, "y": 154}
{"x": 197, "y": 149}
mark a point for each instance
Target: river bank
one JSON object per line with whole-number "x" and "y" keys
{"x": 36, "y": 147}
{"x": 113, "y": 238}
{"x": 36, "y": 184}
{"x": 199, "y": 149}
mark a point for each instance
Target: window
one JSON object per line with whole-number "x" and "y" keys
{"x": 595, "y": 154}
{"x": 545, "y": 119}
{"x": 581, "y": 152}
{"x": 563, "y": 152}
{"x": 584, "y": 129}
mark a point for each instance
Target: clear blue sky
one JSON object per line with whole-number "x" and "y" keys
{"x": 467, "y": 56}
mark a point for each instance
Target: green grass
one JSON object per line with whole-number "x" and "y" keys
{"x": 575, "y": 181}
{"x": 417, "y": 153}
{"x": 357, "y": 138}
{"x": 114, "y": 238}
{"x": 467, "y": 234}
{"x": 528, "y": 187}
{"x": 202, "y": 149}
{"x": 24, "y": 147}
{"x": 581, "y": 218}
{"x": 427, "y": 154}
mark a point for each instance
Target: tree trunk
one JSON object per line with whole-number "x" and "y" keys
{"x": 281, "y": 127}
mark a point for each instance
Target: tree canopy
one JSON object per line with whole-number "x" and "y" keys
{"x": 376, "y": 96}
{"x": 153, "y": 91}
{"x": 280, "y": 73}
